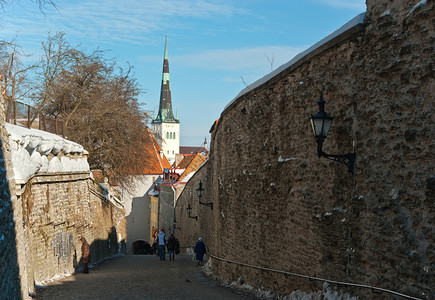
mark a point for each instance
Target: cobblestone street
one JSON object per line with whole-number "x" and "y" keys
{"x": 140, "y": 277}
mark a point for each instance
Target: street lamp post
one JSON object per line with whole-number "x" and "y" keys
{"x": 321, "y": 123}
{"x": 200, "y": 193}
{"x": 189, "y": 210}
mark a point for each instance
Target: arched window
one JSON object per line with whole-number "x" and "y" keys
{"x": 167, "y": 135}
{"x": 170, "y": 135}
{"x": 173, "y": 135}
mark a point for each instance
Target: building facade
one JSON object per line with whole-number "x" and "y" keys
{"x": 137, "y": 198}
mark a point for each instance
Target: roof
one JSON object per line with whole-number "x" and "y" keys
{"x": 182, "y": 172}
{"x": 186, "y": 161}
{"x": 213, "y": 127}
{"x": 194, "y": 164}
{"x": 193, "y": 150}
{"x": 156, "y": 159}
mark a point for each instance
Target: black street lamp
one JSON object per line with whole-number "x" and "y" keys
{"x": 189, "y": 209}
{"x": 200, "y": 192}
{"x": 321, "y": 123}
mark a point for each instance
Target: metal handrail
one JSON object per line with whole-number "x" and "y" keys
{"x": 373, "y": 288}
{"x": 28, "y": 116}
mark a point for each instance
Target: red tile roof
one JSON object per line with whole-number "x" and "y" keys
{"x": 193, "y": 150}
{"x": 189, "y": 164}
{"x": 156, "y": 159}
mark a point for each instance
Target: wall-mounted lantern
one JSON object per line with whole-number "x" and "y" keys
{"x": 189, "y": 210}
{"x": 200, "y": 193}
{"x": 321, "y": 122}
{"x": 175, "y": 225}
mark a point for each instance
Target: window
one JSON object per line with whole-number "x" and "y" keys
{"x": 172, "y": 151}
{"x": 174, "y": 135}
{"x": 168, "y": 151}
{"x": 167, "y": 135}
{"x": 170, "y": 135}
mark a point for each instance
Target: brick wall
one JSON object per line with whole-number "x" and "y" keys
{"x": 277, "y": 205}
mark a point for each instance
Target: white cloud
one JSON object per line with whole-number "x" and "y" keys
{"x": 131, "y": 21}
{"x": 357, "y": 5}
{"x": 256, "y": 59}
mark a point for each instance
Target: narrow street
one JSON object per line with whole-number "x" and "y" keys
{"x": 140, "y": 277}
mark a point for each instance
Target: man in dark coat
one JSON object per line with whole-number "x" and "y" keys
{"x": 85, "y": 255}
{"x": 200, "y": 250}
{"x": 171, "y": 247}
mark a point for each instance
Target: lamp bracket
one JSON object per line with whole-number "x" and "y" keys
{"x": 347, "y": 159}
{"x": 209, "y": 204}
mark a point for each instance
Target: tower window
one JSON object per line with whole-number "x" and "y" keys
{"x": 173, "y": 135}
{"x": 167, "y": 135}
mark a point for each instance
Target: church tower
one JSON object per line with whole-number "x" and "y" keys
{"x": 165, "y": 127}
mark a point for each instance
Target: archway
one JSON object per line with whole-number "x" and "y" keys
{"x": 140, "y": 247}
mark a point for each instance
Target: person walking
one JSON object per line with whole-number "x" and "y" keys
{"x": 85, "y": 255}
{"x": 162, "y": 244}
{"x": 200, "y": 250}
{"x": 171, "y": 247}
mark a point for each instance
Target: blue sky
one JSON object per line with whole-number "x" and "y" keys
{"x": 215, "y": 46}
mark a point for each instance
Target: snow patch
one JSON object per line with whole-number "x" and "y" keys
{"x": 386, "y": 13}
{"x": 280, "y": 159}
{"x": 421, "y": 3}
{"x": 394, "y": 194}
{"x": 34, "y": 151}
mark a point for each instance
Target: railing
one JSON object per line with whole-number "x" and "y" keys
{"x": 18, "y": 113}
{"x": 285, "y": 273}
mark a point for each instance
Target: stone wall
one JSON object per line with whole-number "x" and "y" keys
{"x": 41, "y": 221}
{"x": 191, "y": 229}
{"x": 58, "y": 209}
{"x": 9, "y": 270}
{"x": 278, "y": 205}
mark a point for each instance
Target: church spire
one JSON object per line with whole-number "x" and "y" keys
{"x": 165, "y": 113}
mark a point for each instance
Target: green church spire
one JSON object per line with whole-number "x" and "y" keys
{"x": 165, "y": 113}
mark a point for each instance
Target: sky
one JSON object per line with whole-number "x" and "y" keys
{"x": 216, "y": 47}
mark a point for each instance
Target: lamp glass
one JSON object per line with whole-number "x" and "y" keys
{"x": 321, "y": 123}
{"x": 200, "y": 190}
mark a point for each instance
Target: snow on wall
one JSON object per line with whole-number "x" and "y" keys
{"x": 31, "y": 149}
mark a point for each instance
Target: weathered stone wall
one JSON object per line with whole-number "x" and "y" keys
{"x": 191, "y": 229}
{"x": 58, "y": 209}
{"x": 42, "y": 220}
{"x": 9, "y": 271}
{"x": 277, "y": 205}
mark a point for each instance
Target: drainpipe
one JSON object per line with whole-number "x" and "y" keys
{"x": 175, "y": 199}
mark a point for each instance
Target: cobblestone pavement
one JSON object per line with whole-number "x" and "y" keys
{"x": 140, "y": 277}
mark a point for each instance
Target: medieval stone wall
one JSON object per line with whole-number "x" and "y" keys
{"x": 191, "y": 229}
{"x": 278, "y": 205}
{"x": 9, "y": 270}
{"x": 42, "y": 220}
{"x": 59, "y": 209}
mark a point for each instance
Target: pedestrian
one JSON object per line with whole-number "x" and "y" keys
{"x": 85, "y": 255}
{"x": 200, "y": 250}
{"x": 171, "y": 247}
{"x": 177, "y": 246}
{"x": 154, "y": 248}
{"x": 162, "y": 244}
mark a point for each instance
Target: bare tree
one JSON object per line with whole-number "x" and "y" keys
{"x": 98, "y": 102}
{"x": 43, "y": 4}
{"x": 15, "y": 72}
